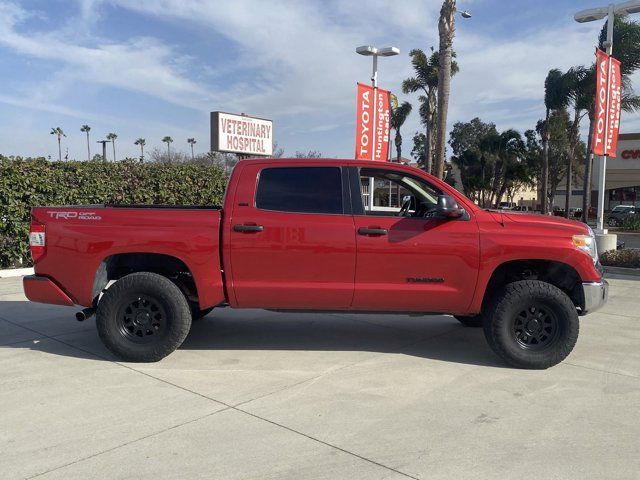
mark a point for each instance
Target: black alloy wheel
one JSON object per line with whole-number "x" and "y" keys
{"x": 536, "y": 327}
{"x": 142, "y": 320}
{"x": 531, "y": 324}
{"x": 143, "y": 317}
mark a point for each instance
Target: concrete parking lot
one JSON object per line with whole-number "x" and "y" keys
{"x": 262, "y": 395}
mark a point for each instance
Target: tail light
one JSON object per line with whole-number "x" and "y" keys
{"x": 37, "y": 240}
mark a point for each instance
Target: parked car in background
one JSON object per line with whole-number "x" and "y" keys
{"x": 522, "y": 208}
{"x": 620, "y": 213}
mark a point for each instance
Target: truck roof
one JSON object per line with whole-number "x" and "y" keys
{"x": 327, "y": 161}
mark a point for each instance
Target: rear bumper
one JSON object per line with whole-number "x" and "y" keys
{"x": 43, "y": 290}
{"x": 596, "y": 295}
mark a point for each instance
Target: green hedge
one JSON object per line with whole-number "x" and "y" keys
{"x": 25, "y": 183}
{"x": 627, "y": 257}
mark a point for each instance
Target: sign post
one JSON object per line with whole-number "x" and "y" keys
{"x": 607, "y": 120}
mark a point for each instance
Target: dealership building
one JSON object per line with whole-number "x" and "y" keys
{"x": 622, "y": 180}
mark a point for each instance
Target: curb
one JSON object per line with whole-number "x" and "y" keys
{"x": 622, "y": 271}
{"x": 16, "y": 272}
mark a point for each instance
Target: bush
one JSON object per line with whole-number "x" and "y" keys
{"x": 25, "y": 183}
{"x": 631, "y": 223}
{"x": 629, "y": 258}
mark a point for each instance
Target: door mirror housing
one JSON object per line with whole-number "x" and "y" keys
{"x": 448, "y": 207}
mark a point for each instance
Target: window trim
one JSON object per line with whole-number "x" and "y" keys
{"x": 358, "y": 206}
{"x": 345, "y": 193}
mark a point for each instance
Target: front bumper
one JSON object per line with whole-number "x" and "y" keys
{"x": 596, "y": 295}
{"x": 43, "y": 290}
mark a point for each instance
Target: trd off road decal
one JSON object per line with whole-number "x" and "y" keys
{"x": 74, "y": 215}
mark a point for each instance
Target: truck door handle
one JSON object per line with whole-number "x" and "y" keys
{"x": 372, "y": 231}
{"x": 248, "y": 228}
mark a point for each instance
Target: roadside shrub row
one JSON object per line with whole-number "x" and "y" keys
{"x": 29, "y": 182}
{"x": 628, "y": 257}
{"x": 631, "y": 224}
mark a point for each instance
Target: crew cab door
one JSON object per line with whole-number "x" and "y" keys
{"x": 291, "y": 238}
{"x": 408, "y": 259}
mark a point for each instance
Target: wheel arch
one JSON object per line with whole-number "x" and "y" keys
{"x": 559, "y": 274}
{"x": 116, "y": 266}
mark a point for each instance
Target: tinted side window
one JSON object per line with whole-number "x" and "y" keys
{"x": 300, "y": 189}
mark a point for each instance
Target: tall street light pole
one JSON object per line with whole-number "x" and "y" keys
{"x": 590, "y": 15}
{"x": 371, "y": 51}
{"x": 104, "y": 148}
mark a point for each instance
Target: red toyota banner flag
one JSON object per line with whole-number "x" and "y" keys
{"x": 613, "y": 110}
{"x": 373, "y": 115}
{"x": 364, "y": 122}
{"x": 604, "y": 140}
{"x": 600, "y": 126}
{"x": 381, "y": 129}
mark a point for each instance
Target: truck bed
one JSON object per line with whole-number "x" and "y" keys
{"x": 82, "y": 239}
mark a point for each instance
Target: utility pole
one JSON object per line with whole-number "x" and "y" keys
{"x": 371, "y": 51}
{"x": 104, "y": 148}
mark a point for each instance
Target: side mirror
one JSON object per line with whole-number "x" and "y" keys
{"x": 448, "y": 207}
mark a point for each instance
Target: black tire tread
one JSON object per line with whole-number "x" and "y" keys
{"x": 160, "y": 286}
{"x": 497, "y": 313}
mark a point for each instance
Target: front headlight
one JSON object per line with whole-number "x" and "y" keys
{"x": 587, "y": 243}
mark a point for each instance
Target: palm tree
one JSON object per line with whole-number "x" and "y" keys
{"x": 577, "y": 80}
{"x": 57, "y": 131}
{"x": 192, "y": 142}
{"x": 86, "y": 129}
{"x": 168, "y": 140}
{"x": 446, "y": 30}
{"x": 141, "y": 142}
{"x": 555, "y": 98}
{"x": 398, "y": 117}
{"x": 426, "y": 80}
{"x": 112, "y": 137}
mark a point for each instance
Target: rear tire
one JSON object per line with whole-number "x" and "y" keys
{"x": 474, "y": 321}
{"x": 143, "y": 317}
{"x": 532, "y": 324}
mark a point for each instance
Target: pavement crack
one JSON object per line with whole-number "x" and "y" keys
{"x": 227, "y": 407}
{"x": 608, "y": 372}
{"x": 150, "y": 435}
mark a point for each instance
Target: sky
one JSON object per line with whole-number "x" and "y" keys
{"x": 150, "y": 68}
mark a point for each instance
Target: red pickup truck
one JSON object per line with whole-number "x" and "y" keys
{"x": 320, "y": 235}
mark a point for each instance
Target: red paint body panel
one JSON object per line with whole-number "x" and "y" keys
{"x": 444, "y": 253}
{"x": 299, "y": 261}
{"x": 43, "y": 290}
{"x": 305, "y": 261}
{"x": 76, "y": 247}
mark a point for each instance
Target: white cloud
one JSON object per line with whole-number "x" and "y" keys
{"x": 141, "y": 64}
{"x": 302, "y": 61}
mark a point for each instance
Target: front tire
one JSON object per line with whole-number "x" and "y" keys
{"x": 532, "y": 324}
{"x": 143, "y": 317}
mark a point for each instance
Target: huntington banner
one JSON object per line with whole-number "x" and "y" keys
{"x": 604, "y": 140}
{"x": 373, "y": 112}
